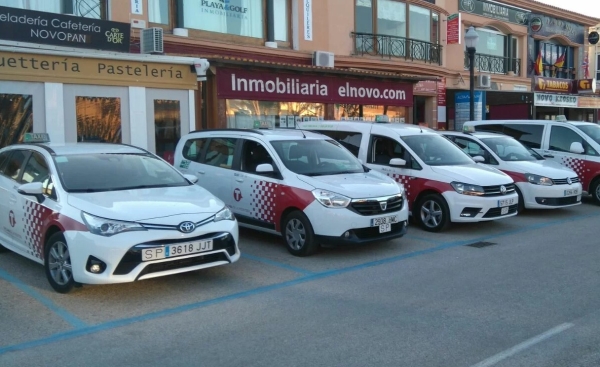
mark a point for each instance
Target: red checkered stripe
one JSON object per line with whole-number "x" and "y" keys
{"x": 403, "y": 180}
{"x": 263, "y": 200}
{"x": 33, "y": 226}
{"x": 577, "y": 165}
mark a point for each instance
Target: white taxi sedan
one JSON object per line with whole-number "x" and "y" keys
{"x": 541, "y": 184}
{"x": 99, "y": 213}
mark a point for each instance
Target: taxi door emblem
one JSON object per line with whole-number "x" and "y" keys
{"x": 11, "y": 218}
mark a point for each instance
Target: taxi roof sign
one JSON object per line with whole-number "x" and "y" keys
{"x": 382, "y": 118}
{"x": 468, "y": 129}
{"x": 36, "y": 138}
{"x": 561, "y": 118}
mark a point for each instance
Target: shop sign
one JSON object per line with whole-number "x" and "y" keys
{"x": 593, "y": 38}
{"x": 542, "y": 84}
{"x": 288, "y": 87}
{"x": 441, "y": 101}
{"x": 548, "y": 26}
{"x": 425, "y": 86}
{"x": 555, "y": 100}
{"x": 453, "y": 29}
{"x": 589, "y": 102}
{"x": 462, "y": 105}
{"x": 308, "y": 23}
{"x": 585, "y": 86}
{"x": 63, "y": 30}
{"x": 77, "y": 70}
{"x": 494, "y": 11}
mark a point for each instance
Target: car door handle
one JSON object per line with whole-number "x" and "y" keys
{"x": 239, "y": 179}
{"x": 548, "y": 156}
{"x": 201, "y": 172}
{"x": 13, "y": 199}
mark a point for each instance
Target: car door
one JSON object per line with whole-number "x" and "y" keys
{"x": 12, "y": 213}
{"x": 254, "y": 194}
{"x": 558, "y": 148}
{"x": 381, "y": 150}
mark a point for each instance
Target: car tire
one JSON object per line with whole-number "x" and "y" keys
{"x": 595, "y": 190}
{"x": 57, "y": 264}
{"x": 432, "y": 213}
{"x": 521, "y": 204}
{"x": 298, "y": 234}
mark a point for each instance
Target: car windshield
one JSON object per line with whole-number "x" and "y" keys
{"x": 509, "y": 149}
{"x": 111, "y": 172}
{"x": 435, "y": 150}
{"x": 593, "y": 131}
{"x": 312, "y": 157}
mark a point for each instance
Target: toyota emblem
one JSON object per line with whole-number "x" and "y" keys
{"x": 503, "y": 190}
{"x": 383, "y": 205}
{"x": 569, "y": 180}
{"x": 186, "y": 227}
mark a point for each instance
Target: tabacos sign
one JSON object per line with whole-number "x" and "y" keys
{"x": 553, "y": 85}
{"x": 63, "y": 30}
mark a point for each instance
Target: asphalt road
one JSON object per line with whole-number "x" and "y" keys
{"x": 528, "y": 298}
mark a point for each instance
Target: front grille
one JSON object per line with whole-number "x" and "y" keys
{"x": 563, "y": 181}
{"x": 496, "y": 191}
{"x": 183, "y": 263}
{"x": 495, "y": 212}
{"x": 557, "y": 201}
{"x": 133, "y": 257}
{"x": 373, "y": 206}
{"x": 373, "y": 232}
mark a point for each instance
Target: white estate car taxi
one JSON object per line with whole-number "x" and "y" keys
{"x": 443, "y": 183}
{"x": 100, "y": 213}
{"x": 302, "y": 185}
{"x": 541, "y": 183}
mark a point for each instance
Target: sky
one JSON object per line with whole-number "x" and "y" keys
{"x": 587, "y": 7}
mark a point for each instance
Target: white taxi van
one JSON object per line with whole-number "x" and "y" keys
{"x": 443, "y": 183}
{"x": 574, "y": 144}
{"x": 99, "y": 213}
{"x": 541, "y": 183}
{"x": 303, "y": 186}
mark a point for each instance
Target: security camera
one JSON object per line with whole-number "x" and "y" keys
{"x": 201, "y": 65}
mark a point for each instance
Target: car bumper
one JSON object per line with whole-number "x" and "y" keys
{"x": 465, "y": 208}
{"x": 121, "y": 255}
{"x": 344, "y": 226}
{"x": 549, "y": 197}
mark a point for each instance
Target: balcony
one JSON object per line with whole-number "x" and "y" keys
{"x": 495, "y": 64}
{"x": 398, "y": 47}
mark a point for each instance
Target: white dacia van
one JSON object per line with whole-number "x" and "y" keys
{"x": 442, "y": 182}
{"x": 573, "y": 144}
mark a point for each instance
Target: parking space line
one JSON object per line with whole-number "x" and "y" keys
{"x": 522, "y": 346}
{"x": 64, "y": 314}
{"x": 264, "y": 289}
{"x": 422, "y": 239}
{"x": 275, "y": 263}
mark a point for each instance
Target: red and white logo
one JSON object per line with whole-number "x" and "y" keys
{"x": 11, "y": 219}
{"x": 237, "y": 194}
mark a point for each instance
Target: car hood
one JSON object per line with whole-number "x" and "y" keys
{"x": 545, "y": 168}
{"x": 476, "y": 174}
{"x": 355, "y": 185}
{"x": 156, "y": 206}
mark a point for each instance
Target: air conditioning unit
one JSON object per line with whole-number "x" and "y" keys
{"x": 322, "y": 58}
{"x": 484, "y": 81}
{"x": 151, "y": 41}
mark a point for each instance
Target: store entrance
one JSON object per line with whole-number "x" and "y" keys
{"x": 419, "y": 110}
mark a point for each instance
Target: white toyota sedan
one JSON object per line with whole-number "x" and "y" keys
{"x": 95, "y": 213}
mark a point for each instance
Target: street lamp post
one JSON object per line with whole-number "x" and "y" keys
{"x": 471, "y": 38}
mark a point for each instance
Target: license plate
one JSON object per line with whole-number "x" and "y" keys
{"x": 507, "y": 202}
{"x": 179, "y": 249}
{"x": 571, "y": 192}
{"x": 504, "y": 210}
{"x": 384, "y": 220}
{"x": 385, "y": 228}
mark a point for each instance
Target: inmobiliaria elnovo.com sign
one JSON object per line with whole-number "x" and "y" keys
{"x": 287, "y": 87}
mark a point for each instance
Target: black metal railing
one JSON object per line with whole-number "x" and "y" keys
{"x": 494, "y": 64}
{"x": 393, "y": 46}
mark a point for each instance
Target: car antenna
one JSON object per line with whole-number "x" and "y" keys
{"x": 302, "y": 131}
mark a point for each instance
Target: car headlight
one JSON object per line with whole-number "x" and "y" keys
{"x": 108, "y": 227}
{"x": 331, "y": 199}
{"x": 539, "y": 180}
{"x": 467, "y": 189}
{"x": 224, "y": 214}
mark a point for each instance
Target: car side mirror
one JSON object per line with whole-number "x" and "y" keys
{"x": 192, "y": 178}
{"x": 32, "y": 189}
{"x": 397, "y": 162}
{"x": 265, "y": 168}
{"x": 479, "y": 159}
{"x": 577, "y": 148}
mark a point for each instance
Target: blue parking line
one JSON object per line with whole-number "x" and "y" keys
{"x": 422, "y": 239}
{"x": 311, "y": 277}
{"x": 65, "y": 315}
{"x": 275, "y": 263}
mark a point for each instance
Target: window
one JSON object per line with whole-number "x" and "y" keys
{"x": 15, "y": 163}
{"x": 167, "y": 127}
{"x": 220, "y": 152}
{"x": 95, "y": 9}
{"x": 509, "y": 149}
{"x": 562, "y": 137}
{"x": 98, "y": 119}
{"x": 3, "y": 158}
{"x": 253, "y": 155}
{"x": 36, "y": 169}
{"x": 528, "y": 135}
{"x": 16, "y": 117}
{"x": 473, "y": 149}
{"x": 435, "y": 150}
{"x": 193, "y": 148}
{"x": 598, "y": 67}
{"x": 280, "y": 26}
{"x": 383, "y": 150}
{"x": 349, "y": 140}
{"x": 491, "y": 42}
{"x": 420, "y": 23}
{"x": 158, "y": 11}
{"x": 557, "y": 58}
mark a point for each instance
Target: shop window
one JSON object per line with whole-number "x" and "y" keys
{"x": 98, "y": 119}
{"x": 158, "y": 11}
{"x": 220, "y": 152}
{"x": 369, "y": 112}
{"x": 167, "y": 127}
{"x": 16, "y": 118}
{"x": 243, "y": 114}
{"x": 95, "y": 9}
{"x": 237, "y": 17}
